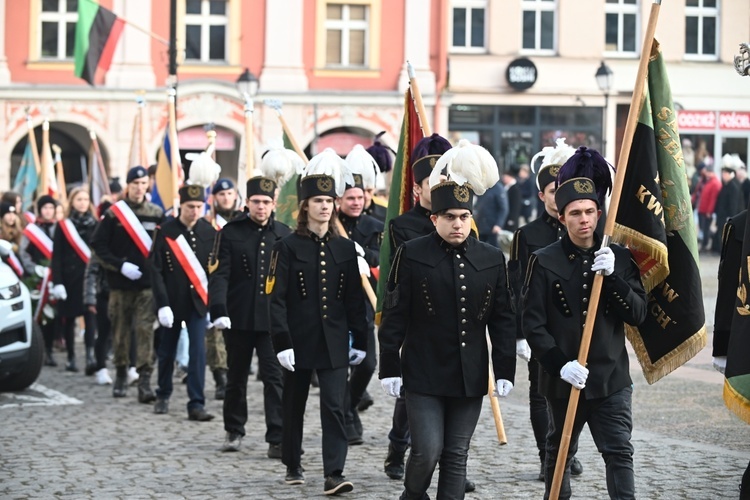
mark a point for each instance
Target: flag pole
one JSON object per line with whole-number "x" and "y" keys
{"x": 174, "y": 159}
{"x": 495, "y": 404}
{"x": 276, "y": 105}
{"x": 622, "y": 165}
{"x": 142, "y": 157}
{"x": 44, "y": 184}
{"x": 249, "y": 141}
{"x": 100, "y": 161}
{"x": 32, "y": 142}
{"x": 60, "y": 173}
{"x": 417, "y": 96}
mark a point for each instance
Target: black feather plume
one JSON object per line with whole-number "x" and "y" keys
{"x": 589, "y": 163}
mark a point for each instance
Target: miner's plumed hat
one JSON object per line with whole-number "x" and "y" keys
{"x": 586, "y": 175}
{"x": 327, "y": 174}
{"x": 552, "y": 159}
{"x": 470, "y": 170}
{"x": 192, "y": 192}
{"x": 425, "y": 156}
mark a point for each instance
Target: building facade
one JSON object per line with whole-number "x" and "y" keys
{"x": 512, "y": 75}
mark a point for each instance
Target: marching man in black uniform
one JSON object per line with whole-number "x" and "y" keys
{"x": 367, "y": 234}
{"x": 555, "y": 300}
{"x": 445, "y": 291}
{"x": 239, "y": 303}
{"x": 539, "y": 233}
{"x": 317, "y": 318}
{"x": 180, "y": 256}
{"x": 122, "y": 242}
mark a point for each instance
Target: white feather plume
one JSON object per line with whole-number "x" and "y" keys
{"x": 204, "y": 171}
{"x": 729, "y": 161}
{"x": 280, "y": 164}
{"x": 556, "y": 155}
{"x": 361, "y": 162}
{"x": 327, "y": 162}
{"x": 467, "y": 163}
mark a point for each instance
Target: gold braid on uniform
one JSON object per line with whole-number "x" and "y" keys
{"x": 392, "y": 295}
{"x": 213, "y": 257}
{"x": 527, "y": 280}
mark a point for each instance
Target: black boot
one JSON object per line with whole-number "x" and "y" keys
{"x": 120, "y": 389}
{"x": 145, "y": 394}
{"x": 220, "y": 378}
{"x": 49, "y": 359}
{"x": 90, "y": 362}
{"x": 394, "y": 463}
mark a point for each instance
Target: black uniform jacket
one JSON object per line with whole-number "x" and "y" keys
{"x": 729, "y": 278}
{"x": 68, "y": 268}
{"x": 236, "y": 288}
{"x": 439, "y": 304}
{"x": 409, "y": 225}
{"x": 555, "y": 299}
{"x": 368, "y": 232}
{"x": 377, "y": 210}
{"x": 316, "y": 300}
{"x": 537, "y": 234}
{"x": 172, "y": 287}
{"x": 113, "y": 245}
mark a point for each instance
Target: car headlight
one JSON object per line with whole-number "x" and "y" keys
{"x": 10, "y": 292}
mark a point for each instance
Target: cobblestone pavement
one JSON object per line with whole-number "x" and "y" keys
{"x": 68, "y": 438}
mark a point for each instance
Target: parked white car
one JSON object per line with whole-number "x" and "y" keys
{"x": 21, "y": 343}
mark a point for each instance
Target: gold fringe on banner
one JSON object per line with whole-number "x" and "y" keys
{"x": 671, "y": 361}
{"x": 735, "y": 401}
{"x": 655, "y": 249}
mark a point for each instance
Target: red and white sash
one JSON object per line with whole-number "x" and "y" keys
{"x": 133, "y": 226}
{"x": 190, "y": 265}
{"x": 74, "y": 240}
{"x": 30, "y": 217}
{"x": 44, "y": 295}
{"x": 15, "y": 264}
{"x": 39, "y": 238}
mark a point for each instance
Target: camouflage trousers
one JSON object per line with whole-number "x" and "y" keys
{"x": 216, "y": 351}
{"x": 128, "y": 310}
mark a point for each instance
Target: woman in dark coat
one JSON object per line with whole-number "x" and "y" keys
{"x": 68, "y": 266}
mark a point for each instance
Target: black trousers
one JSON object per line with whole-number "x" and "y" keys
{"x": 103, "y": 331}
{"x": 240, "y": 345}
{"x": 68, "y": 325}
{"x": 332, "y": 384}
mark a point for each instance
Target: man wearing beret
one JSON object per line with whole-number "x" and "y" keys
{"x": 179, "y": 257}
{"x": 122, "y": 242}
{"x": 555, "y": 298}
{"x": 239, "y": 307}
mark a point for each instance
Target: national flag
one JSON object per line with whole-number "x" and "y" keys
{"x": 138, "y": 156}
{"x": 97, "y": 32}
{"x": 27, "y": 178}
{"x": 163, "y": 190}
{"x": 99, "y": 186}
{"x": 401, "y": 196}
{"x": 655, "y": 221}
{"x": 287, "y": 206}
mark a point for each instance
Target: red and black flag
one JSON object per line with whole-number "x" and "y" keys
{"x": 97, "y": 32}
{"x": 655, "y": 221}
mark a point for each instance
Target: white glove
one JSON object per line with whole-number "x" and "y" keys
{"x": 503, "y": 387}
{"x": 286, "y": 358}
{"x": 364, "y": 268}
{"x": 574, "y": 374}
{"x": 131, "y": 271}
{"x": 604, "y": 260}
{"x": 40, "y": 270}
{"x": 392, "y": 386}
{"x": 356, "y": 356}
{"x": 166, "y": 317}
{"x": 360, "y": 250}
{"x": 720, "y": 363}
{"x": 223, "y": 323}
{"x": 59, "y": 292}
{"x": 523, "y": 350}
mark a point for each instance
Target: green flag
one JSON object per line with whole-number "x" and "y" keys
{"x": 287, "y": 206}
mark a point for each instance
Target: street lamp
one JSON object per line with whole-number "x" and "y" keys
{"x": 247, "y": 85}
{"x": 604, "y": 81}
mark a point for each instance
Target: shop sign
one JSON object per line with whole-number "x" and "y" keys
{"x": 521, "y": 74}
{"x": 687, "y": 120}
{"x": 731, "y": 120}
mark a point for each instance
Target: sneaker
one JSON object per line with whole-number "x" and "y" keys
{"x": 103, "y": 377}
{"x": 337, "y": 484}
{"x": 274, "y": 450}
{"x": 232, "y": 442}
{"x": 294, "y": 476}
{"x": 132, "y": 375}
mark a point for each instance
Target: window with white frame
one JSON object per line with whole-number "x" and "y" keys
{"x": 701, "y": 29}
{"x": 57, "y": 22}
{"x": 347, "y": 34}
{"x": 468, "y": 25}
{"x": 206, "y": 33}
{"x": 539, "y": 26}
{"x": 621, "y": 26}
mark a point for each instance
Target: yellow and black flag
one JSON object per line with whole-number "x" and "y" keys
{"x": 655, "y": 221}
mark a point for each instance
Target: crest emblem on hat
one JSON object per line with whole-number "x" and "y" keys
{"x": 194, "y": 191}
{"x": 554, "y": 170}
{"x": 266, "y": 185}
{"x": 433, "y": 161}
{"x": 324, "y": 184}
{"x": 583, "y": 187}
{"x": 461, "y": 194}
{"x": 224, "y": 185}
{"x": 357, "y": 179}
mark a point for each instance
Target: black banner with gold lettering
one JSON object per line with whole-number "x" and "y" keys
{"x": 655, "y": 221}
